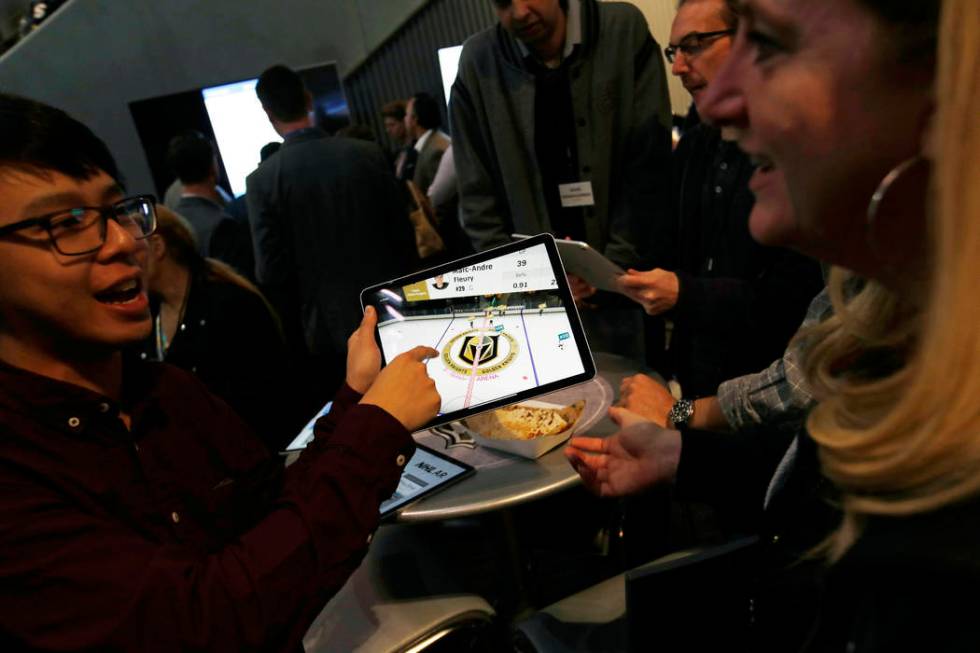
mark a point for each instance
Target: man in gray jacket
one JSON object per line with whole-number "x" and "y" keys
{"x": 561, "y": 122}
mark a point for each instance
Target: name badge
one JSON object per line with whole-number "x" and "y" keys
{"x": 577, "y": 194}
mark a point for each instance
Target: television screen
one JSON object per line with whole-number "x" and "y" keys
{"x": 240, "y": 127}
{"x": 230, "y": 114}
{"x": 448, "y": 64}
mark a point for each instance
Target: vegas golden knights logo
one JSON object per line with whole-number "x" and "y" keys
{"x": 486, "y": 352}
{"x": 479, "y": 348}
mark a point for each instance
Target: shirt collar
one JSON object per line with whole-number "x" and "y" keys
{"x": 299, "y": 133}
{"x": 423, "y": 139}
{"x": 573, "y": 31}
{"x": 199, "y": 198}
{"x": 71, "y": 406}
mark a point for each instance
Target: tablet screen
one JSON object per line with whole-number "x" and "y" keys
{"x": 503, "y": 322}
{"x": 427, "y": 471}
{"x": 424, "y": 473}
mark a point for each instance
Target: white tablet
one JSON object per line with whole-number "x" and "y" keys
{"x": 503, "y": 321}
{"x": 586, "y": 263}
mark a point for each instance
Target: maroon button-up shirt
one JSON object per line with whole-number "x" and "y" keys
{"x": 180, "y": 533}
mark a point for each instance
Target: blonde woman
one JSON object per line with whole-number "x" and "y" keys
{"x": 211, "y": 321}
{"x": 858, "y": 109}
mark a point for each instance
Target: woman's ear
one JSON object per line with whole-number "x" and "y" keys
{"x": 158, "y": 247}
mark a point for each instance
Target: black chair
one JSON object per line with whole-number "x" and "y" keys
{"x": 696, "y": 600}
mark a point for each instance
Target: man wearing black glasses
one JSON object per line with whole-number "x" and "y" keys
{"x": 138, "y": 512}
{"x": 733, "y": 302}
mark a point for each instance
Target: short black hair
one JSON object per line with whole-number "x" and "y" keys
{"x": 36, "y": 138}
{"x": 282, "y": 93}
{"x": 190, "y": 157}
{"x": 426, "y": 111}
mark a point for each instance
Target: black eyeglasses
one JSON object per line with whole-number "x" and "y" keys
{"x": 692, "y": 44}
{"x": 82, "y": 230}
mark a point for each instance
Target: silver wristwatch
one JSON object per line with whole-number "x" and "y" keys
{"x": 680, "y": 413}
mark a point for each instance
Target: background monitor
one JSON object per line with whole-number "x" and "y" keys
{"x": 448, "y": 65}
{"x": 230, "y": 114}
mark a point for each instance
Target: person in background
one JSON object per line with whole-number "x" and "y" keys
{"x": 403, "y": 154}
{"x": 359, "y": 132}
{"x": 734, "y": 303}
{"x": 561, "y": 123}
{"x": 138, "y": 512}
{"x": 238, "y": 207}
{"x": 219, "y": 236}
{"x": 327, "y": 220}
{"x": 422, "y": 122}
{"x": 212, "y": 322}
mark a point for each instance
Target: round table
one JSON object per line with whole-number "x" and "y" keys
{"x": 521, "y": 480}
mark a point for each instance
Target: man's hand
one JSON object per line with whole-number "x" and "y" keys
{"x": 581, "y": 291}
{"x": 638, "y": 456}
{"x": 363, "y": 355}
{"x": 642, "y": 395}
{"x": 405, "y": 391}
{"x": 655, "y": 290}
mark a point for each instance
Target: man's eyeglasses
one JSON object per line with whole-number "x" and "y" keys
{"x": 82, "y": 230}
{"x": 692, "y": 44}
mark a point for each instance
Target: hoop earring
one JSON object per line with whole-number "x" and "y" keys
{"x": 878, "y": 197}
{"x": 886, "y": 184}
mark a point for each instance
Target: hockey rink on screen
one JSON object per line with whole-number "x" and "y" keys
{"x": 488, "y": 355}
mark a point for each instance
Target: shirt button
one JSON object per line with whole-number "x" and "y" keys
{"x": 143, "y": 356}
{"x": 194, "y": 369}
{"x": 775, "y": 539}
{"x": 175, "y": 517}
{"x": 723, "y": 166}
{"x": 103, "y": 407}
{"x": 718, "y": 190}
{"x": 183, "y": 327}
{"x": 400, "y": 460}
{"x": 74, "y": 422}
{"x": 203, "y": 322}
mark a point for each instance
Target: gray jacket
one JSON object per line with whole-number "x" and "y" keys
{"x": 621, "y": 105}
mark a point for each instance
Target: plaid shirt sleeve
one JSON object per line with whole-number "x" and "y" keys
{"x": 777, "y": 396}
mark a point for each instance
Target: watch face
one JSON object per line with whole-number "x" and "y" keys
{"x": 681, "y": 412}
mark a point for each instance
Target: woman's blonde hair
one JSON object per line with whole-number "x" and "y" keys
{"x": 906, "y": 439}
{"x": 182, "y": 247}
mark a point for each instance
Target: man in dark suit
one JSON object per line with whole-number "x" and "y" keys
{"x": 327, "y": 220}
{"x": 219, "y": 235}
{"x": 422, "y": 121}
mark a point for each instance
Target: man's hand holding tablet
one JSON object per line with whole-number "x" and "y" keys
{"x": 404, "y": 389}
{"x": 655, "y": 290}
